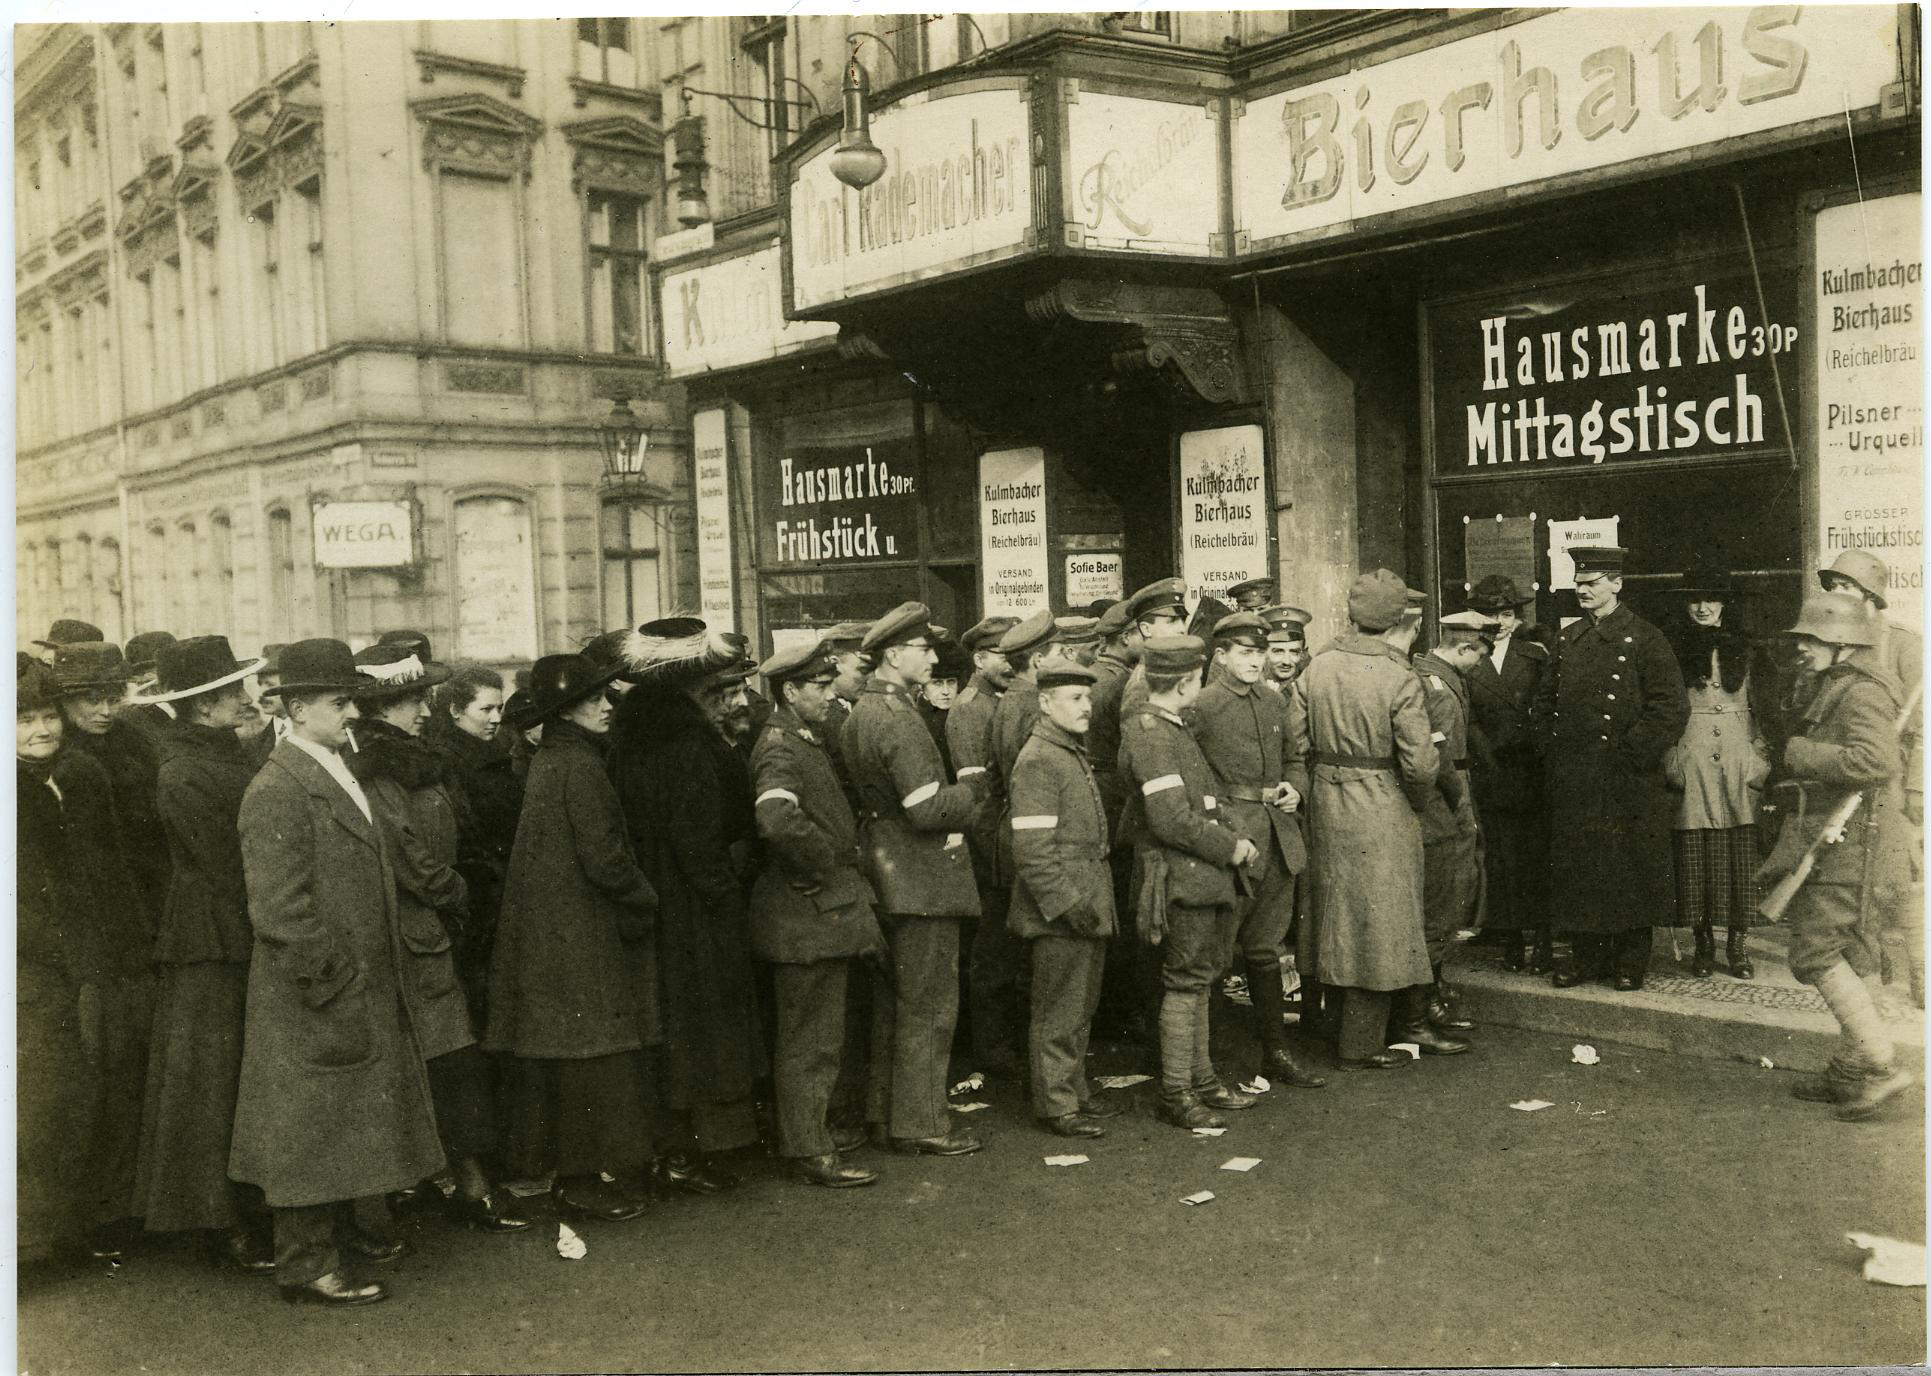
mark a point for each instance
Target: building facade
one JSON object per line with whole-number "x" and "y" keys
{"x": 318, "y": 324}
{"x": 1298, "y": 293}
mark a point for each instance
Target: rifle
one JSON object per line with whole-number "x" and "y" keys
{"x": 1771, "y": 907}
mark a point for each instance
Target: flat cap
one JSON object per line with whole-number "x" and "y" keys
{"x": 1028, "y": 635}
{"x": 902, "y": 623}
{"x": 1076, "y": 630}
{"x": 1262, "y": 588}
{"x": 1377, "y": 600}
{"x": 1598, "y": 561}
{"x": 985, "y": 634}
{"x": 1173, "y": 654}
{"x": 1245, "y": 627}
{"x": 1470, "y": 621}
{"x": 1286, "y": 622}
{"x": 807, "y": 659}
{"x": 1064, "y": 671}
{"x": 847, "y": 635}
{"x": 1162, "y": 595}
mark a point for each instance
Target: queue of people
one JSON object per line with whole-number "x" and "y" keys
{"x": 382, "y": 938}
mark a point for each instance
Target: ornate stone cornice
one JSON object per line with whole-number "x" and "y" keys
{"x": 618, "y": 152}
{"x": 431, "y": 64}
{"x": 1183, "y": 336}
{"x": 475, "y": 133}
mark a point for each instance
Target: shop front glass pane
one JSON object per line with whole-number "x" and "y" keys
{"x": 814, "y": 601}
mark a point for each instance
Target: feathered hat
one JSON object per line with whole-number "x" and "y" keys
{"x": 677, "y": 650}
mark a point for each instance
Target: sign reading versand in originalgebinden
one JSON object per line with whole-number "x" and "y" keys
{"x": 1013, "y": 561}
{"x": 1223, "y": 509}
{"x": 1868, "y": 296}
{"x": 711, "y": 467}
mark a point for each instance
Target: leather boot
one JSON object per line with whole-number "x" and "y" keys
{"x": 832, "y": 1173}
{"x": 1185, "y": 1110}
{"x": 1280, "y": 1067}
{"x": 335, "y": 1290}
{"x": 1737, "y": 946}
{"x": 1543, "y": 958}
{"x": 1222, "y": 1096}
{"x": 1412, "y": 1006}
{"x": 1871, "y": 1092}
{"x": 1441, "y": 1010}
{"x": 1703, "y": 963}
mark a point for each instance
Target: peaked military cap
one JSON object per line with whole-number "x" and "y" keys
{"x": 1246, "y": 628}
{"x": 1173, "y": 654}
{"x": 1029, "y": 634}
{"x": 1262, "y": 588}
{"x": 1162, "y": 595}
{"x": 1076, "y": 630}
{"x": 904, "y": 622}
{"x": 1598, "y": 561}
{"x": 1286, "y": 623}
{"x": 1064, "y": 671}
{"x": 1471, "y": 621}
{"x": 805, "y": 660}
{"x": 846, "y": 635}
{"x": 985, "y": 634}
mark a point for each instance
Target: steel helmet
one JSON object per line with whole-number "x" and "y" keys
{"x": 1836, "y": 618}
{"x": 1864, "y": 569}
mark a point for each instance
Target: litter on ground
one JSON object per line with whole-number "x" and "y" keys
{"x": 1531, "y": 1105}
{"x": 569, "y": 1246}
{"x": 1240, "y": 1163}
{"x": 1208, "y": 1132}
{"x": 972, "y": 1107}
{"x": 1122, "y": 1081}
{"x": 1584, "y": 1054}
{"x": 1066, "y": 1160}
{"x": 971, "y": 1084}
{"x": 1412, "y": 1048}
{"x": 1200, "y": 1198}
{"x": 1890, "y": 1262}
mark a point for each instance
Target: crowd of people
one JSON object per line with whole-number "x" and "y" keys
{"x": 377, "y": 936}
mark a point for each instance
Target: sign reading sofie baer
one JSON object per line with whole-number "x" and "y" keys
{"x": 840, "y": 504}
{"x": 1598, "y": 373}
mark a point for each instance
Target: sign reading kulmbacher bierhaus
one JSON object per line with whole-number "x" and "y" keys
{"x": 1598, "y": 374}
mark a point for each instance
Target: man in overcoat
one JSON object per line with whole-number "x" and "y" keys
{"x": 1371, "y": 766}
{"x": 334, "y": 1102}
{"x": 1260, "y": 780}
{"x": 811, "y": 911}
{"x": 1609, "y": 708}
{"x": 1510, "y": 791}
{"x": 914, "y": 833}
{"x": 1062, "y": 900}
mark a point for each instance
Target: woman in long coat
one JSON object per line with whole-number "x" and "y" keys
{"x": 403, "y": 780}
{"x": 202, "y": 956}
{"x": 572, "y": 987}
{"x": 686, "y": 797}
{"x": 1718, "y": 769}
{"x": 52, "y": 932}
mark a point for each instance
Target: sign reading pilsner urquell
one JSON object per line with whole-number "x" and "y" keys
{"x": 840, "y": 504}
{"x": 1597, "y": 373}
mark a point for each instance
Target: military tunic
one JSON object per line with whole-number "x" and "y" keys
{"x": 1243, "y": 732}
{"x": 1448, "y": 825}
{"x": 1114, "y": 672}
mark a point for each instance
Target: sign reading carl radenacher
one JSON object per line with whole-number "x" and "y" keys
{"x": 1596, "y": 373}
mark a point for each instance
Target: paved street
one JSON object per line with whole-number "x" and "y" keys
{"x": 1664, "y": 1210}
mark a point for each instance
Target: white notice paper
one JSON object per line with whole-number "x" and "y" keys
{"x": 1566, "y": 535}
{"x": 1122, "y": 1081}
{"x": 1066, "y": 1160}
{"x": 1531, "y": 1105}
{"x": 1200, "y": 1198}
{"x": 1240, "y": 1163}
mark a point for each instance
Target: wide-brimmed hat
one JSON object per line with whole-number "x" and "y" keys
{"x": 677, "y": 650}
{"x": 145, "y": 648}
{"x": 558, "y": 682}
{"x": 1497, "y": 592}
{"x": 199, "y": 664}
{"x": 317, "y": 666}
{"x": 68, "y": 631}
{"x": 1706, "y": 578}
{"x": 396, "y": 668}
{"x": 84, "y": 665}
{"x": 35, "y": 687}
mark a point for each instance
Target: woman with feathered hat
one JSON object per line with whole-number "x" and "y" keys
{"x": 687, "y": 800}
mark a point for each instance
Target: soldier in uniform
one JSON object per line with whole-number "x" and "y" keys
{"x": 1259, "y": 782}
{"x": 1286, "y": 645}
{"x": 1609, "y": 708}
{"x": 1510, "y": 795}
{"x": 1186, "y": 899}
{"x": 1371, "y": 769}
{"x": 915, "y": 827}
{"x": 1846, "y": 744}
{"x": 1450, "y": 864}
{"x": 1062, "y": 897}
{"x": 1252, "y": 595}
{"x": 1900, "y": 652}
{"x": 992, "y": 1011}
{"x": 811, "y": 911}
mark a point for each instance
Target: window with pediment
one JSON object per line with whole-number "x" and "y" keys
{"x": 478, "y": 150}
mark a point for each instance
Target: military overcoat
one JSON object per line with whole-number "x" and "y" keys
{"x": 1062, "y": 885}
{"x": 1171, "y": 809}
{"x": 1244, "y": 733}
{"x": 913, "y": 821}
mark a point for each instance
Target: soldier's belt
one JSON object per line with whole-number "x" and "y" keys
{"x": 1352, "y": 761}
{"x": 1244, "y": 793}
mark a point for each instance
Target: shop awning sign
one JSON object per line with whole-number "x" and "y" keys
{"x": 1552, "y": 98}
{"x": 730, "y": 312}
{"x": 1140, "y": 175}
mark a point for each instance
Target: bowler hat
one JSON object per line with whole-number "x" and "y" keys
{"x": 1377, "y": 600}
{"x": 70, "y": 632}
{"x": 199, "y": 664}
{"x": 1497, "y": 592}
{"x": 81, "y": 666}
{"x": 558, "y": 682}
{"x": 1836, "y": 618}
{"x": 396, "y": 668}
{"x": 317, "y": 666}
{"x": 143, "y": 648}
{"x": 1706, "y": 578}
{"x": 1864, "y": 569}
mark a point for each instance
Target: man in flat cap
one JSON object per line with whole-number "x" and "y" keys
{"x": 1510, "y": 792}
{"x": 922, "y": 873}
{"x": 1610, "y": 707}
{"x": 1372, "y": 764}
{"x": 1187, "y": 862}
{"x": 811, "y": 912}
{"x": 1062, "y": 898}
{"x": 1260, "y": 781}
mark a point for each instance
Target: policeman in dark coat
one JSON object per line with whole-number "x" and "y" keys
{"x": 1187, "y": 859}
{"x": 1510, "y": 791}
{"x": 811, "y": 911}
{"x": 1609, "y": 708}
{"x": 1062, "y": 903}
{"x": 914, "y": 833}
{"x": 1260, "y": 780}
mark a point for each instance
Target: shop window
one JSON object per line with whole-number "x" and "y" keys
{"x": 495, "y": 580}
{"x": 763, "y": 45}
{"x": 265, "y": 246}
{"x": 633, "y": 586}
{"x": 604, "y": 51}
{"x": 481, "y": 265}
{"x": 618, "y": 237}
{"x": 281, "y": 571}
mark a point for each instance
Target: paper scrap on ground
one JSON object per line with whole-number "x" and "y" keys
{"x": 1766, "y": 1063}
{"x": 971, "y": 1084}
{"x": 524, "y": 1189}
{"x": 1122, "y": 1081}
{"x": 1208, "y": 1132}
{"x": 1531, "y": 1105}
{"x": 972, "y": 1107}
{"x": 1200, "y": 1198}
{"x": 1257, "y": 1085}
{"x": 1066, "y": 1160}
{"x": 569, "y": 1246}
{"x": 1584, "y": 1054}
{"x": 1890, "y": 1262}
{"x": 1240, "y": 1163}
{"x": 1412, "y": 1048}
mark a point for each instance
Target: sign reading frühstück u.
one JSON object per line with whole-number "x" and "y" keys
{"x": 840, "y": 504}
{"x": 1868, "y": 297}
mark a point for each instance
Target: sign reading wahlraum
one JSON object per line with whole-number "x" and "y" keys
{"x": 1559, "y": 94}
{"x": 1140, "y": 174}
{"x": 957, "y": 192}
{"x": 728, "y": 313}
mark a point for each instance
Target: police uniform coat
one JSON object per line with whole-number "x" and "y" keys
{"x": 1171, "y": 809}
{"x": 1372, "y": 764}
{"x": 1244, "y": 733}
{"x": 334, "y": 1101}
{"x": 810, "y": 901}
{"x": 1609, "y": 707}
{"x": 1062, "y": 885}
{"x": 914, "y": 821}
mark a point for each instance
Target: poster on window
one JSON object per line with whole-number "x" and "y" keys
{"x": 495, "y": 580}
{"x": 1565, "y": 536}
{"x": 1094, "y": 578}
{"x": 1503, "y": 545}
{"x": 711, "y": 467}
{"x": 1868, "y": 293}
{"x": 1013, "y": 561}
{"x": 1223, "y": 509}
